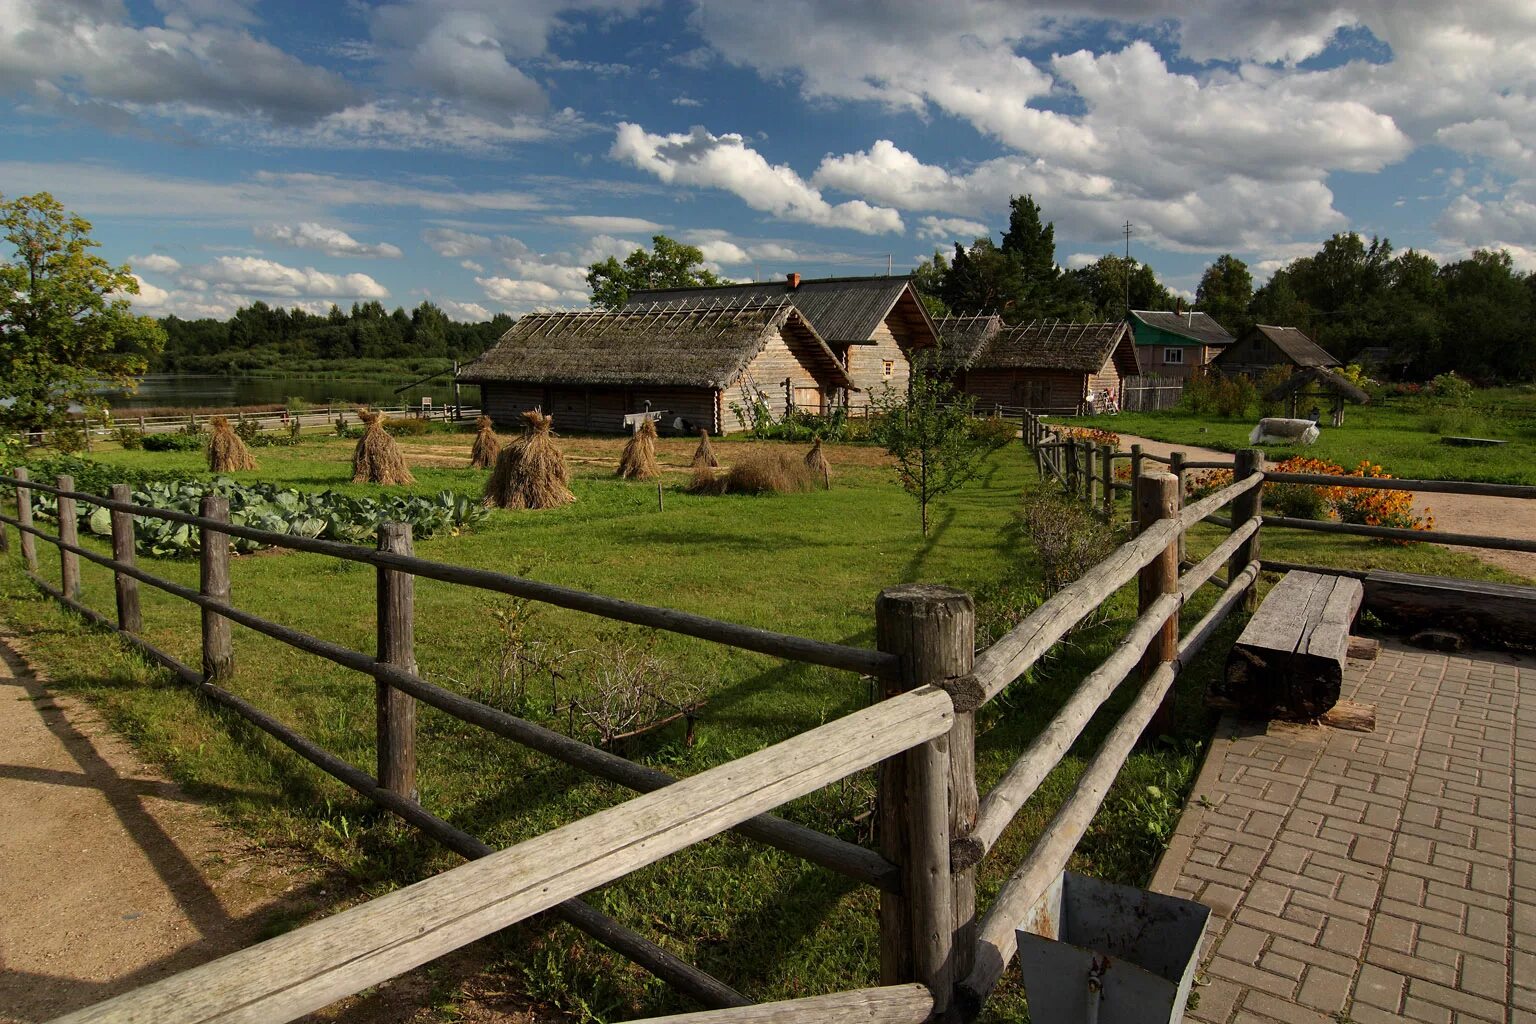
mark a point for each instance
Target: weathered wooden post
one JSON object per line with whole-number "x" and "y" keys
{"x": 69, "y": 533}
{"x": 1157, "y": 498}
{"x": 1090, "y": 472}
{"x": 218, "y": 650}
{"x": 130, "y": 619}
{"x": 1247, "y": 462}
{"x": 928, "y": 795}
{"x": 1070, "y": 451}
{"x": 1137, "y": 461}
{"x": 1107, "y": 480}
{"x": 26, "y": 541}
{"x": 1176, "y": 462}
{"x": 396, "y": 595}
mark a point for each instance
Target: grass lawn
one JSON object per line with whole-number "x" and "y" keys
{"x": 1400, "y": 434}
{"x": 809, "y": 564}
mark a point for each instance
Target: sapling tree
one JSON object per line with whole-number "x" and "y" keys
{"x": 927, "y": 429}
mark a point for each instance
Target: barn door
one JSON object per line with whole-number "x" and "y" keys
{"x": 809, "y": 400}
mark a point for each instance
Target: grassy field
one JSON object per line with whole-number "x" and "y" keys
{"x": 1401, "y": 434}
{"x": 810, "y": 564}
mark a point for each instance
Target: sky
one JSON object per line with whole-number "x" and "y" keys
{"x": 481, "y": 153}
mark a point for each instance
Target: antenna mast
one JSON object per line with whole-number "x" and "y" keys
{"x": 1127, "y": 281}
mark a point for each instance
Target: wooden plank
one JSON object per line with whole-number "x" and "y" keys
{"x": 895, "y": 1004}
{"x": 26, "y": 541}
{"x": 69, "y": 562}
{"x": 1498, "y": 614}
{"x": 1246, "y": 507}
{"x": 1289, "y": 660}
{"x": 299, "y": 972}
{"x": 1465, "y": 540}
{"x": 213, "y": 577}
{"x": 130, "y": 617}
{"x": 1364, "y": 648}
{"x": 395, "y": 711}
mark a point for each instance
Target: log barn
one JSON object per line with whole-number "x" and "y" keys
{"x": 1043, "y": 366}
{"x": 1268, "y": 346}
{"x": 872, "y": 324}
{"x": 701, "y": 363}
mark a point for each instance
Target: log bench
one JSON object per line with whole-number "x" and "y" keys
{"x": 1495, "y": 614}
{"x": 1289, "y": 660}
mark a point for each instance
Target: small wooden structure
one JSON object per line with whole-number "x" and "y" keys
{"x": 1317, "y": 383}
{"x": 1176, "y": 343}
{"x": 1289, "y": 660}
{"x": 1042, "y": 366}
{"x": 1269, "y": 345}
{"x": 708, "y": 363}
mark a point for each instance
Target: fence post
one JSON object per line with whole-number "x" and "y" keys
{"x": 26, "y": 542}
{"x": 1157, "y": 498}
{"x": 129, "y": 618}
{"x": 1247, "y": 462}
{"x": 1090, "y": 472}
{"x": 1107, "y": 480}
{"x": 926, "y": 796}
{"x": 218, "y": 652}
{"x": 69, "y": 533}
{"x": 1070, "y": 451}
{"x": 1176, "y": 462}
{"x": 396, "y": 596}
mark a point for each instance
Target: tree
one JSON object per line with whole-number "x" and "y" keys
{"x": 66, "y": 323}
{"x": 927, "y": 430}
{"x": 1102, "y": 287}
{"x": 1226, "y": 291}
{"x": 669, "y": 264}
{"x": 1033, "y": 245}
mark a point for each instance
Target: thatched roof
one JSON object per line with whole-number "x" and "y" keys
{"x": 1192, "y": 324}
{"x": 845, "y": 310}
{"x": 961, "y": 338}
{"x": 1298, "y": 348}
{"x": 686, "y": 344}
{"x": 974, "y": 343}
{"x": 1321, "y": 376}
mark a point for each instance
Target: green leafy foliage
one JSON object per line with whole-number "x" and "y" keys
{"x": 66, "y": 321}
{"x": 175, "y": 442}
{"x": 667, "y": 264}
{"x": 927, "y": 430}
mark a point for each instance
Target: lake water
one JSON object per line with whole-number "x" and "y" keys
{"x": 188, "y": 391}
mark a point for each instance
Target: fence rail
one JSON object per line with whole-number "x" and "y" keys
{"x": 934, "y": 827}
{"x": 322, "y": 416}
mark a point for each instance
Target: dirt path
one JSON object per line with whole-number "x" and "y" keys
{"x": 1461, "y": 513}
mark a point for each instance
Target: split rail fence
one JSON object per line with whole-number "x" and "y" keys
{"x": 316, "y": 416}
{"x": 940, "y": 957}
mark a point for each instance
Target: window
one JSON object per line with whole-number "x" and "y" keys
{"x": 1173, "y": 355}
{"x": 887, "y": 368}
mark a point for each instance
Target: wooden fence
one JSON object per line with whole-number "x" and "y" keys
{"x": 938, "y": 958}
{"x": 318, "y": 416}
{"x": 1150, "y": 394}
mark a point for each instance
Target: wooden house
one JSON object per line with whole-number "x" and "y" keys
{"x": 873, "y": 324}
{"x": 1044, "y": 366}
{"x": 1266, "y": 347}
{"x": 704, "y": 364}
{"x": 1176, "y": 343}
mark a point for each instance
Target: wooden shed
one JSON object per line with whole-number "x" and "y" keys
{"x": 698, "y": 362}
{"x": 1304, "y": 388}
{"x": 1176, "y": 343}
{"x": 1043, "y": 366}
{"x": 873, "y": 324}
{"x": 1268, "y": 346}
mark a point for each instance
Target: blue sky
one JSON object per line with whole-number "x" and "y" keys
{"x": 481, "y": 153}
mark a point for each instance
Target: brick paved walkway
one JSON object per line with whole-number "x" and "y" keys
{"x": 1373, "y": 877}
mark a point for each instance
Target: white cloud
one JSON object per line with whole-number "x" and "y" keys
{"x": 516, "y": 294}
{"x": 267, "y": 277}
{"x": 158, "y": 262}
{"x": 1079, "y": 260}
{"x": 331, "y": 241}
{"x": 465, "y": 312}
{"x": 951, "y": 229}
{"x": 686, "y": 101}
{"x": 472, "y": 265}
{"x": 726, "y": 162}
{"x": 612, "y": 225}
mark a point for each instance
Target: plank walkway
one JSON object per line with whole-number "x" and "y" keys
{"x": 1373, "y": 877}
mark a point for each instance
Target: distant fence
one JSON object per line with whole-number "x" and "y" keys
{"x": 276, "y": 419}
{"x": 1150, "y": 394}
{"x": 940, "y": 958}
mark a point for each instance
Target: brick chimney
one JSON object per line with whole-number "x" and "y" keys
{"x": 794, "y": 281}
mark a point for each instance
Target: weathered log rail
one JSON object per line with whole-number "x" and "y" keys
{"x": 939, "y": 961}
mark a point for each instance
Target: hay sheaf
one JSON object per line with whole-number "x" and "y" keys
{"x": 226, "y": 452}
{"x": 704, "y": 454}
{"x": 639, "y": 459}
{"x": 816, "y": 462}
{"x": 530, "y": 472}
{"x": 756, "y": 472}
{"x": 377, "y": 458}
{"x": 487, "y": 446}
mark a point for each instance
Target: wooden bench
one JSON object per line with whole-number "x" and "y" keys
{"x": 1494, "y": 614}
{"x": 1289, "y": 660}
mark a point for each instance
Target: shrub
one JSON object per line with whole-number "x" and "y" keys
{"x": 131, "y": 438}
{"x": 994, "y": 431}
{"x": 177, "y": 442}
{"x": 246, "y": 430}
{"x": 1067, "y": 538}
{"x": 1451, "y": 389}
{"x": 295, "y": 404}
{"x": 1201, "y": 392}
{"x": 1093, "y": 434}
{"x": 407, "y": 427}
{"x": 1298, "y": 501}
{"x": 68, "y": 438}
{"x": 1272, "y": 378}
{"x": 1235, "y": 396}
